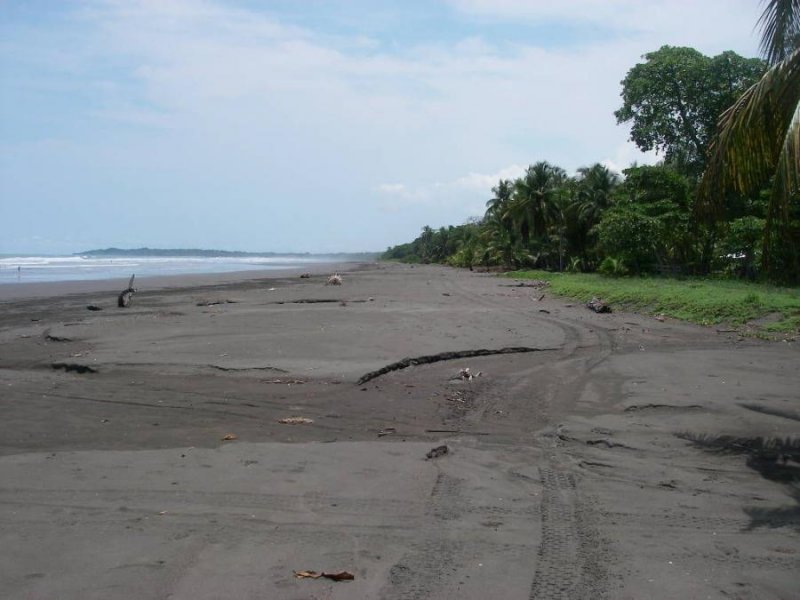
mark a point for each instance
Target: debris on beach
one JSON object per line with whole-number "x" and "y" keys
{"x": 341, "y": 576}
{"x": 334, "y": 279}
{"x": 536, "y": 283}
{"x": 660, "y": 317}
{"x": 73, "y": 367}
{"x": 92, "y": 307}
{"x": 387, "y": 431}
{"x": 467, "y": 375}
{"x": 286, "y": 381}
{"x": 437, "y": 452}
{"x": 125, "y": 296}
{"x": 216, "y": 302}
{"x": 598, "y": 306}
{"x": 305, "y": 276}
{"x": 55, "y": 338}
{"x": 295, "y": 421}
{"x": 229, "y": 437}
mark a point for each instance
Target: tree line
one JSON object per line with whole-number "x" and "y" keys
{"x": 665, "y": 218}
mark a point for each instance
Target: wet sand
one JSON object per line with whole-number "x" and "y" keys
{"x": 569, "y": 472}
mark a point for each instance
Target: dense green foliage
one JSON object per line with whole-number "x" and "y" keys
{"x": 674, "y": 98}
{"x": 757, "y": 144}
{"x": 701, "y": 301}
{"x": 647, "y": 219}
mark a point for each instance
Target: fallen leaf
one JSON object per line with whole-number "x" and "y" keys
{"x": 228, "y": 437}
{"x": 307, "y": 574}
{"x": 295, "y": 420}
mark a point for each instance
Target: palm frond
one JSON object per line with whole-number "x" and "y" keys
{"x": 752, "y": 144}
{"x": 780, "y": 29}
{"x": 783, "y": 187}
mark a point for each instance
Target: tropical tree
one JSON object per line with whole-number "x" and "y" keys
{"x": 595, "y": 187}
{"x": 592, "y": 194}
{"x": 758, "y": 137}
{"x": 533, "y": 204}
{"x": 673, "y": 100}
{"x": 498, "y": 203}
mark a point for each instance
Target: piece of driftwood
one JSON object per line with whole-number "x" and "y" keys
{"x": 598, "y": 306}
{"x": 125, "y": 296}
{"x": 334, "y": 279}
{"x": 437, "y": 452}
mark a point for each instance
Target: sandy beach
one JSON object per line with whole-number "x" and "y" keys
{"x": 574, "y": 467}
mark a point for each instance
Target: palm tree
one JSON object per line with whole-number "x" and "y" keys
{"x": 534, "y": 196}
{"x": 498, "y": 204}
{"x": 595, "y": 186}
{"x": 593, "y": 191}
{"x": 758, "y": 138}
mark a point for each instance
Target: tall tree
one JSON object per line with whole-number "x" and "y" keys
{"x": 673, "y": 99}
{"x": 534, "y": 194}
{"x": 498, "y": 203}
{"x": 759, "y": 136}
{"x": 595, "y": 187}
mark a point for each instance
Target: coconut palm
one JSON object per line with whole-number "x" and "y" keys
{"x": 534, "y": 194}
{"x": 594, "y": 189}
{"x": 758, "y": 138}
{"x": 498, "y": 204}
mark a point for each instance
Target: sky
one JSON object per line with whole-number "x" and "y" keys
{"x": 310, "y": 125}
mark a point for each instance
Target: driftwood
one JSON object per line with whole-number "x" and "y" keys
{"x": 125, "y": 296}
{"x": 598, "y": 306}
{"x": 437, "y": 452}
{"x": 433, "y": 358}
{"x": 334, "y": 279}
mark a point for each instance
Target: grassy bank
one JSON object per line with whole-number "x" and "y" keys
{"x": 757, "y": 307}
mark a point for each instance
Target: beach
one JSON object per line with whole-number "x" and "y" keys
{"x": 143, "y": 453}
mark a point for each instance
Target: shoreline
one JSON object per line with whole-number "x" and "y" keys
{"x": 13, "y": 291}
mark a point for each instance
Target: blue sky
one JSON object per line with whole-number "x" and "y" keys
{"x": 314, "y": 126}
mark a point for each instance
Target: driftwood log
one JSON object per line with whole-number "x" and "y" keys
{"x": 125, "y": 296}
{"x": 598, "y": 306}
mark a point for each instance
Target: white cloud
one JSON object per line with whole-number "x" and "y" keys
{"x": 391, "y": 188}
{"x": 484, "y": 183}
{"x": 625, "y": 156}
{"x": 708, "y": 25}
{"x": 209, "y": 101}
{"x": 469, "y": 192}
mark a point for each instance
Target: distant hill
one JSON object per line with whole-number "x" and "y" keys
{"x": 181, "y": 252}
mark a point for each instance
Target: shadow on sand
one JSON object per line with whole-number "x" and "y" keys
{"x": 774, "y": 458}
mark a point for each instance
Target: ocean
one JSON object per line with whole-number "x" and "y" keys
{"x": 29, "y": 269}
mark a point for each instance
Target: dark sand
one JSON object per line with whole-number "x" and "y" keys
{"x": 564, "y": 479}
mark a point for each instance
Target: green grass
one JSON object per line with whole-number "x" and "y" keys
{"x": 703, "y": 301}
